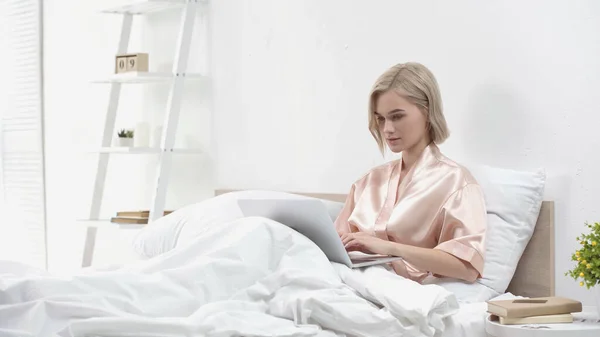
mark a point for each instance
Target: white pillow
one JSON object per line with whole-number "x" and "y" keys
{"x": 513, "y": 200}
{"x": 188, "y": 222}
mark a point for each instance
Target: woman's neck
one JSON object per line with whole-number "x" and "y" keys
{"x": 410, "y": 156}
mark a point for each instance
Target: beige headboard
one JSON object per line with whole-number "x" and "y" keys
{"x": 534, "y": 276}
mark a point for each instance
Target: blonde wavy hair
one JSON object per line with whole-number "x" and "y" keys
{"x": 417, "y": 84}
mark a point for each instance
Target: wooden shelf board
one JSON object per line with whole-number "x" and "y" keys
{"x": 139, "y": 150}
{"x": 106, "y": 223}
{"x": 145, "y": 77}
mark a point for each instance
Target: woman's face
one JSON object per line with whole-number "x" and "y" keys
{"x": 401, "y": 123}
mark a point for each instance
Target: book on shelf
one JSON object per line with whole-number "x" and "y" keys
{"x": 134, "y": 217}
{"x": 543, "y": 319}
{"x": 138, "y": 214}
{"x": 529, "y": 307}
{"x": 129, "y": 220}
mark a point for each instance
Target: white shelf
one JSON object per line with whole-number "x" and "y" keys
{"x": 106, "y": 223}
{"x": 145, "y": 7}
{"x": 139, "y": 150}
{"x": 145, "y": 77}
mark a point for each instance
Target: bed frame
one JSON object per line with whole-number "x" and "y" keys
{"x": 534, "y": 276}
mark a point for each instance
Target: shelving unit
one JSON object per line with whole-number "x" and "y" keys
{"x": 175, "y": 79}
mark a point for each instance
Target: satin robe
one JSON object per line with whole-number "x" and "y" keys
{"x": 438, "y": 204}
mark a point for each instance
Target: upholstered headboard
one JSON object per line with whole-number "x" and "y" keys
{"x": 534, "y": 276}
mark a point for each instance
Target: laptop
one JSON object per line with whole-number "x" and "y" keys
{"x": 311, "y": 218}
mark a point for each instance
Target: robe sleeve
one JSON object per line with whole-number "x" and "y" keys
{"x": 341, "y": 223}
{"x": 463, "y": 227}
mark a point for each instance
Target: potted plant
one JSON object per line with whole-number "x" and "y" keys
{"x": 125, "y": 137}
{"x": 588, "y": 261}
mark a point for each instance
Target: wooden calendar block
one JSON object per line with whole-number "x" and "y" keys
{"x": 132, "y": 62}
{"x": 137, "y": 62}
{"x": 121, "y": 65}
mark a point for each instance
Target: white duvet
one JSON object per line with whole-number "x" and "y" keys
{"x": 250, "y": 277}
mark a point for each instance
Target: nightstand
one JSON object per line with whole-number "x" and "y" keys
{"x": 585, "y": 324}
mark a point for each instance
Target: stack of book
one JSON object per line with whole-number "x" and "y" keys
{"x": 540, "y": 310}
{"x": 133, "y": 217}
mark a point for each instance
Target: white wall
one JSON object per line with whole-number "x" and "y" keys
{"x": 80, "y": 45}
{"x": 290, "y": 83}
{"x": 519, "y": 81}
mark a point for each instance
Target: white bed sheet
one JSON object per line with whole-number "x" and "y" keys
{"x": 251, "y": 277}
{"x": 469, "y": 321}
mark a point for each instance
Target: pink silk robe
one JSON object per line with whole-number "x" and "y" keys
{"x": 438, "y": 204}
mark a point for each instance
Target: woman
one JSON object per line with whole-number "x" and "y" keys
{"x": 423, "y": 207}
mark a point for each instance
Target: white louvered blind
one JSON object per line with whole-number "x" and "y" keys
{"x": 23, "y": 225}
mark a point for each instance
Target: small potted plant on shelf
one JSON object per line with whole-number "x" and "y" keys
{"x": 125, "y": 138}
{"x": 588, "y": 261}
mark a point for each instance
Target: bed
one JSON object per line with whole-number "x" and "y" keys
{"x": 534, "y": 276}
{"x": 281, "y": 285}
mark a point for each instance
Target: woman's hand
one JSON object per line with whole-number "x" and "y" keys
{"x": 365, "y": 243}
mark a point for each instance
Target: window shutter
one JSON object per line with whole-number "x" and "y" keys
{"x": 21, "y": 132}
